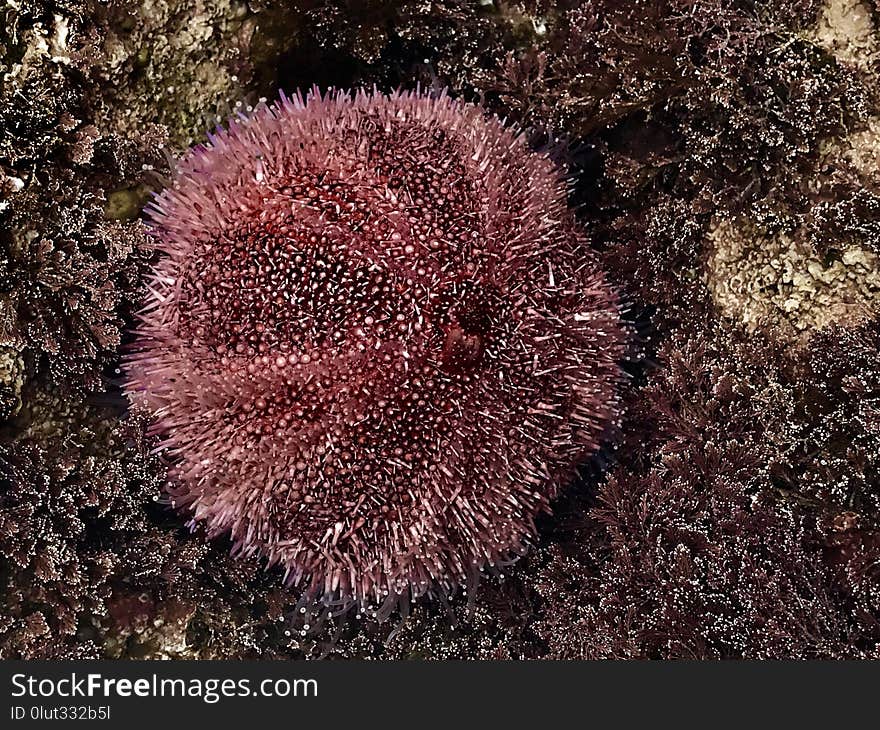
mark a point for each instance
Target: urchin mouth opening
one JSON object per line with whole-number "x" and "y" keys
{"x": 462, "y": 349}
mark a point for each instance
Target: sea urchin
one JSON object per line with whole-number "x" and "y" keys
{"x": 375, "y": 345}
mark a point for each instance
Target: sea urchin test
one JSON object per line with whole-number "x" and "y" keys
{"x": 375, "y": 345}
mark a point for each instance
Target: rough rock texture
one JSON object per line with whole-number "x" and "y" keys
{"x": 776, "y": 281}
{"x": 174, "y": 64}
{"x": 846, "y": 29}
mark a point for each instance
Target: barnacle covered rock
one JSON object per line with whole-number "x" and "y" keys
{"x": 777, "y": 280}
{"x": 171, "y": 63}
{"x": 846, "y": 29}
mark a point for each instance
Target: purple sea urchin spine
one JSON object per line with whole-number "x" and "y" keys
{"x": 376, "y": 347}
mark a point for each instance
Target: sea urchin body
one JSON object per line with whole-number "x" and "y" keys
{"x": 376, "y": 346}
